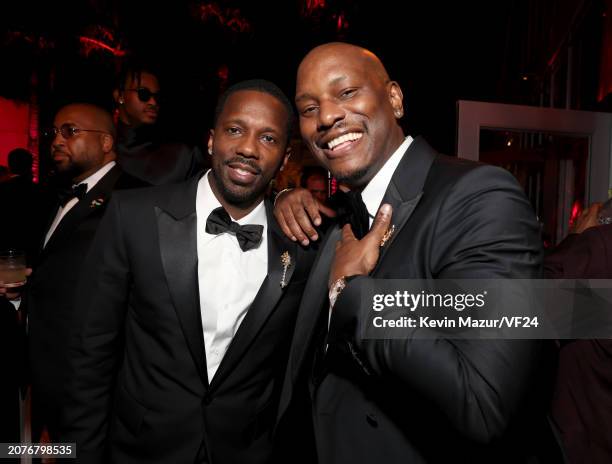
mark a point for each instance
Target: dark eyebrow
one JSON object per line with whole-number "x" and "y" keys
{"x": 306, "y": 96}
{"x": 241, "y": 122}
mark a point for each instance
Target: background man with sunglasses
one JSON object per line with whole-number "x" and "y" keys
{"x": 82, "y": 146}
{"x": 141, "y": 151}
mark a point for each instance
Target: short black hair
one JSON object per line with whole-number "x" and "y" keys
{"x": 133, "y": 68}
{"x": 259, "y": 85}
{"x": 311, "y": 171}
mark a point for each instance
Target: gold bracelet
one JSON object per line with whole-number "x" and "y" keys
{"x": 280, "y": 193}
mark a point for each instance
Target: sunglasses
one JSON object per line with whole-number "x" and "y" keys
{"x": 144, "y": 94}
{"x": 67, "y": 130}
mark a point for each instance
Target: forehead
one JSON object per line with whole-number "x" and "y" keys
{"x": 80, "y": 116}
{"x": 325, "y": 70}
{"x": 255, "y": 108}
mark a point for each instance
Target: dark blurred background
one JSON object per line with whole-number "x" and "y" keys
{"x": 504, "y": 51}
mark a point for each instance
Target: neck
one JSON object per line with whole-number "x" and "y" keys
{"x": 81, "y": 177}
{"x": 235, "y": 210}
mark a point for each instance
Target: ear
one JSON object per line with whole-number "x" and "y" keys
{"x": 108, "y": 143}
{"x": 288, "y": 153}
{"x": 211, "y": 138}
{"x": 396, "y": 98}
{"x": 118, "y": 97}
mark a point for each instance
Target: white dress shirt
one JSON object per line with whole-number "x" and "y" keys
{"x": 374, "y": 192}
{"x": 228, "y": 277}
{"x": 91, "y": 181}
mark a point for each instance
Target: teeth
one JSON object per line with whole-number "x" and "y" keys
{"x": 351, "y": 136}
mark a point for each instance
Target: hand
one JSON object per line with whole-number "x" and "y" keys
{"x": 358, "y": 257}
{"x": 588, "y": 218}
{"x": 12, "y": 293}
{"x": 297, "y": 213}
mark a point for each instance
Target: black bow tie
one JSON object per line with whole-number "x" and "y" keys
{"x": 67, "y": 194}
{"x": 249, "y": 235}
{"x": 351, "y": 210}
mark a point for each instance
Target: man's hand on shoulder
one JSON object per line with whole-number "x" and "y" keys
{"x": 298, "y": 213}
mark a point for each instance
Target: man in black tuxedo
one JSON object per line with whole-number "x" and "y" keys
{"x": 83, "y": 152}
{"x": 402, "y": 400}
{"x": 189, "y": 308}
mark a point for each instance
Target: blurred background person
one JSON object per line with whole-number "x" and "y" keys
{"x": 141, "y": 150}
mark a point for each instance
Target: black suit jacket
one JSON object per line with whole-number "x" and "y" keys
{"x": 49, "y": 300}
{"x": 416, "y": 401}
{"x": 140, "y": 386}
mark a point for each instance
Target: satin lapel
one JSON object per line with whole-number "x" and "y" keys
{"x": 177, "y": 227}
{"x": 96, "y": 199}
{"x": 406, "y": 188}
{"x": 314, "y": 297}
{"x": 265, "y": 301}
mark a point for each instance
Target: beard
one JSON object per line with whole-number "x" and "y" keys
{"x": 235, "y": 195}
{"x": 354, "y": 179}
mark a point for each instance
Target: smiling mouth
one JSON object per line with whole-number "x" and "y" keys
{"x": 343, "y": 141}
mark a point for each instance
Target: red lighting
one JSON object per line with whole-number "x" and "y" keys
{"x": 576, "y": 212}
{"x": 90, "y": 45}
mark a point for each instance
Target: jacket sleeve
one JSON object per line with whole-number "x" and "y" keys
{"x": 485, "y": 229}
{"x": 96, "y": 343}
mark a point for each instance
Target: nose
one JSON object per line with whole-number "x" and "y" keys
{"x": 247, "y": 147}
{"x": 329, "y": 114}
{"x": 58, "y": 141}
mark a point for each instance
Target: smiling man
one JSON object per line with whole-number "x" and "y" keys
{"x": 411, "y": 213}
{"x": 189, "y": 305}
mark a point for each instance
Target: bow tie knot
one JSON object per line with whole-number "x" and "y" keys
{"x": 249, "y": 235}
{"x": 351, "y": 209}
{"x": 76, "y": 191}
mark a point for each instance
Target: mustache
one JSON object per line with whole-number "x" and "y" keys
{"x": 245, "y": 161}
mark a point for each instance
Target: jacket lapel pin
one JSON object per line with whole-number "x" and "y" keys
{"x": 286, "y": 262}
{"x": 96, "y": 203}
{"x": 387, "y": 235}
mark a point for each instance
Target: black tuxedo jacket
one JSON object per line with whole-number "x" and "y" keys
{"x": 49, "y": 300}
{"x": 417, "y": 401}
{"x": 140, "y": 389}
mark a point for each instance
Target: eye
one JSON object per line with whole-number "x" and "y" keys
{"x": 348, "y": 93}
{"x": 308, "y": 110}
{"x": 233, "y": 130}
{"x": 268, "y": 138}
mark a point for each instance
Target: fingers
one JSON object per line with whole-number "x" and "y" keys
{"x": 304, "y": 220}
{"x": 312, "y": 208}
{"x": 347, "y": 234}
{"x": 381, "y": 223}
{"x": 294, "y": 227}
{"x": 329, "y": 212}
{"x": 283, "y": 224}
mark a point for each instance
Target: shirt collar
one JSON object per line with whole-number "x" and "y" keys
{"x": 374, "y": 192}
{"x": 92, "y": 180}
{"x": 208, "y": 202}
